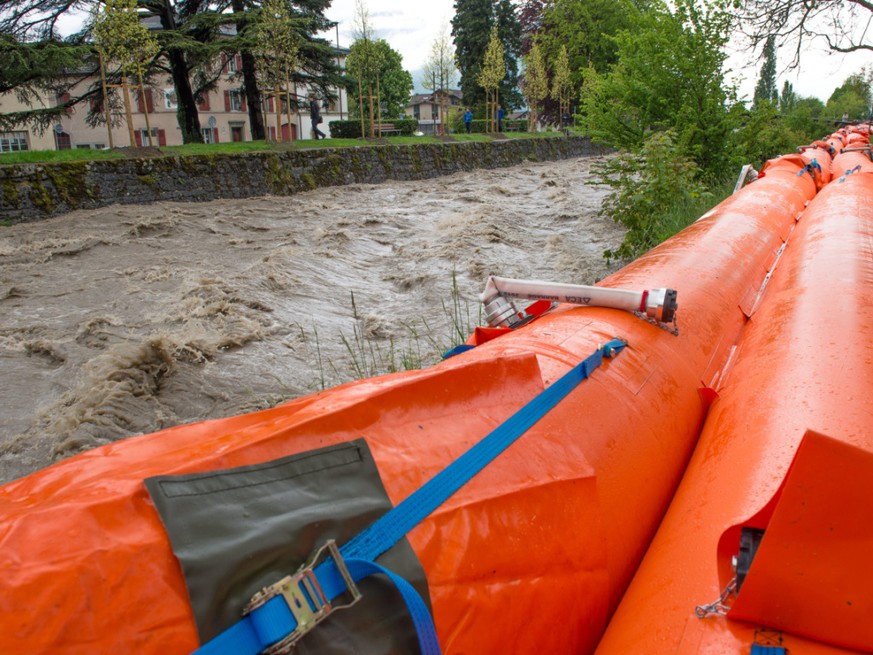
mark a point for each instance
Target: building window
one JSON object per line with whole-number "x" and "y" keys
{"x": 207, "y": 135}
{"x": 233, "y": 63}
{"x": 142, "y": 137}
{"x": 170, "y": 99}
{"x": 13, "y": 141}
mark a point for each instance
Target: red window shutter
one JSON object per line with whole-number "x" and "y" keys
{"x": 162, "y": 137}
{"x": 139, "y": 102}
{"x": 203, "y": 102}
{"x": 150, "y": 102}
{"x": 242, "y": 101}
{"x": 138, "y": 137}
{"x": 215, "y": 134}
{"x": 227, "y": 101}
{"x": 270, "y": 105}
{"x": 224, "y": 62}
{"x": 239, "y": 62}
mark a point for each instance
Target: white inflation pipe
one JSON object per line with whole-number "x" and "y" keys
{"x": 657, "y": 304}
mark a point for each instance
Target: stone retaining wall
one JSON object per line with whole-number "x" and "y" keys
{"x": 32, "y": 191}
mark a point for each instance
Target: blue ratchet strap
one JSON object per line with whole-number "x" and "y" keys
{"x": 813, "y": 165}
{"x": 273, "y": 623}
{"x": 849, "y": 172}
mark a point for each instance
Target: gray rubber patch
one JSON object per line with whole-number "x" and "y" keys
{"x": 238, "y": 530}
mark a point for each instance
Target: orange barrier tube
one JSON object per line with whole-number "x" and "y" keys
{"x": 852, "y": 162}
{"x": 804, "y": 363}
{"x": 531, "y": 555}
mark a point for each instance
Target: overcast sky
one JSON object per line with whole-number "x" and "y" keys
{"x": 411, "y": 26}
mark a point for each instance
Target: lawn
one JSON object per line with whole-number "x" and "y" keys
{"x": 43, "y": 156}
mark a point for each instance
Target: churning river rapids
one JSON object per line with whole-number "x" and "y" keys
{"x": 129, "y": 319}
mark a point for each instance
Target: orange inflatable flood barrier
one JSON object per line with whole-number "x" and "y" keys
{"x": 532, "y": 555}
{"x": 781, "y": 477}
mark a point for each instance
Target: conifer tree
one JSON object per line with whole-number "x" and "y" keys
{"x": 765, "y": 90}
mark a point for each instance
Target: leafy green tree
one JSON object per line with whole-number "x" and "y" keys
{"x": 669, "y": 75}
{"x": 760, "y": 134}
{"x": 535, "y": 85}
{"x": 765, "y": 90}
{"x": 491, "y": 75}
{"x": 376, "y": 66}
{"x": 585, "y": 28}
{"x": 276, "y": 53}
{"x": 852, "y": 97}
{"x": 562, "y": 83}
{"x": 645, "y": 186}
{"x": 471, "y": 30}
{"x": 122, "y": 39}
{"x": 805, "y": 119}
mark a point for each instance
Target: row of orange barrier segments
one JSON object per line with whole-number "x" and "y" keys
{"x": 701, "y": 492}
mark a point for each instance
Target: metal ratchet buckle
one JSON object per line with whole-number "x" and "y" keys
{"x": 305, "y": 598}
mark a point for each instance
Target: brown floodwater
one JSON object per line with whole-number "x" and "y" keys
{"x": 129, "y": 319}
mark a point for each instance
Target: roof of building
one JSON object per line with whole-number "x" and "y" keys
{"x": 420, "y": 98}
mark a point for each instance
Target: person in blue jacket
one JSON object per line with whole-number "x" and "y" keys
{"x": 500, "y": 115}
{"x": 468, "y": 120}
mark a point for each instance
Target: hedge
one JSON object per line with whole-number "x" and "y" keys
{"x": 351, "y": 129}
{"x": 481, "y": 125}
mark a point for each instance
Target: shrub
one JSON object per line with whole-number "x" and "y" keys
{"x": 647, "y": 188}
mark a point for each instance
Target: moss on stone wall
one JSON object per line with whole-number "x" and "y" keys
{"x": 11, "y": 196}
{"x": 32, "y": 191}
{"x": 39, "y": 196}
{"x": 70, "y": 181}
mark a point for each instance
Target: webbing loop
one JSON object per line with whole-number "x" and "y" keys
{"x": 273, "y": 624}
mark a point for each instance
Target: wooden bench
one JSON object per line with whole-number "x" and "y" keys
{"x": 383, "y": 128}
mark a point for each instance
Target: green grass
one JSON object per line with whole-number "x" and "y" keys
{"x": 43, "y": 156}
{"x": 48, "y": 156}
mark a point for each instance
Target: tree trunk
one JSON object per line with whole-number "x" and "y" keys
{"x": 372, "y": 118}
{"x": 106, "y": 109}
{"x": 145, "y": 103}
{"x": 128, "y": 113}
{"x": 250, "y": 80}
{"x": 186, "y": 110}
{"x": 361, "y": 105}
{"x": 253, "y": 94}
